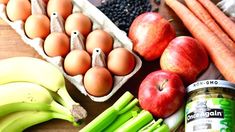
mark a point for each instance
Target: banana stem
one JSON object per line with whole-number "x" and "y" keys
{"x": 67, "y": 100}
{"x": 75, "y": 108}
{"x": 22, "y": 123}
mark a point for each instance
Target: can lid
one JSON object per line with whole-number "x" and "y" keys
{"x": 210, "y": 84}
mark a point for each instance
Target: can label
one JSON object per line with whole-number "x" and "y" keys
{"x": 210, "y": 115}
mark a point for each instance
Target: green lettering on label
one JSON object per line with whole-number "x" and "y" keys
{"x": 228, "y": 121}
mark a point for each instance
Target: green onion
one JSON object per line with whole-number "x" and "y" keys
{"x": 152, "y": 126}
{"x": 175, "y": 120}
{"x": 162, "y": 128}
{"x": 136, "y": 123}
{"x": 123, "y": 118}
{"x": 107, "y": 117}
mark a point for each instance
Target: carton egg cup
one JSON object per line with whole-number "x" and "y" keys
{"x": 99, "y": 21}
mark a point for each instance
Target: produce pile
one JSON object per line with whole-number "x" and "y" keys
{"x": 84, "y": 46}
{"x": 30, "y": 96}
{"x": 160, "y": 104}
{"x": 125, "y": 115}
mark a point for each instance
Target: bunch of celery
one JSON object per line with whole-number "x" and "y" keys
{"x": 126, "y": 116}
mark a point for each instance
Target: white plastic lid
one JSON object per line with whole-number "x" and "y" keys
{"x": 210, "y": 84}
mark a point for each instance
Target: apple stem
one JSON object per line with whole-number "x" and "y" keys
{"x": 161, "y": 86}
{"x": 170, "y": 20}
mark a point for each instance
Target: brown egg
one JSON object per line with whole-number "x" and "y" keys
{"x": 77, "y": 62}
{"x": 37, "y": 26}
{"x": 120, "y": 61}
{"x": 4, "y": 1}
{"x": 57, "y": 44}
{"x": 62, "y": 7}
{"x": 99, "y": 39}
{"x": 18, "y": 9}
{"x": 80, "y": 22}
{"x": 98, "y": 81}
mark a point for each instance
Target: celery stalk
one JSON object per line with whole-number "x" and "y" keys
{"x": 136, "y": 123}
{"x": 109, "y": 115}
{"x": 122, "y": 119}
{"x": 151, "y": 126}
{"x": 123, "y": 101}
{"x": 162, "y": 128}
{"x": 129, "y": 106}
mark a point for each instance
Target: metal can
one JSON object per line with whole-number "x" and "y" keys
{"x": 210, "y": 106}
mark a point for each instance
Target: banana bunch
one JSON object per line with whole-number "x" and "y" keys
{"x": 33, "y": 91}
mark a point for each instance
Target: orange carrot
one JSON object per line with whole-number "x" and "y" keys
{"x": 221, "y": 56}
{"x": 225, "y": 22}
{"x": 206, "y": 18}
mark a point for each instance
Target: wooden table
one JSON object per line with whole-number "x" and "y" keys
{"x": 12, "y": 45}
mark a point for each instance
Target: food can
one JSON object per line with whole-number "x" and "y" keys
{"x": 210, "y": 106}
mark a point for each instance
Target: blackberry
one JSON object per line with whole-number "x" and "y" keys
{"x": 123, "y": 12}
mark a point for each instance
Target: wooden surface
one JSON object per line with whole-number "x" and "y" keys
{"x": 12, "y": 45}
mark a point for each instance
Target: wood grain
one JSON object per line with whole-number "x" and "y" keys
{"x": 12, "y": 45}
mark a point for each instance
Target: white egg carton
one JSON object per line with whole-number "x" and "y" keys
{"x": 100, "y": 21}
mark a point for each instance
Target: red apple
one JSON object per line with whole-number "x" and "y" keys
{"x": 161, "y": 93}
{"x": 150, "y": 34}
{"x": 185, "y": 56}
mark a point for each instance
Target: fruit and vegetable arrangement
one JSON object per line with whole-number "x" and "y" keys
{"x": 80, "y": 43}
{"x": 98, "y": 58}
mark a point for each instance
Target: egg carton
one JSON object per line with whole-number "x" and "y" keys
{"x": 100, "y": 21}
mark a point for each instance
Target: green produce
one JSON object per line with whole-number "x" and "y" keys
{"x": 20, "y": 96}
{"x": 122, "y": 119}
{"x": 22, "y": 106}
{"x": 162, "y": 128}
{"x": 6, "y": 120}
{"x": 25, "y": 97}
{"x": 106, "y": 118}
{"x": 24, "y": 92}
{"x": 151, "y": 126}
{"x": 123, "y": 116}
{"x": 136, "y": 123}
{"x": 28, "y": 69}
{"x": 21, "y": 123}
{"x": 175, "y": 120}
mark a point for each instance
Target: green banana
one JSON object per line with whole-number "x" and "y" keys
{"x": 20, "y": 96}
{"x": 29, "y": 119}
{"x": 28, "y": 69}
{"x": 6, "y": 120}
{"x": 23, "y": 92}
{"x": 22, "y": 106}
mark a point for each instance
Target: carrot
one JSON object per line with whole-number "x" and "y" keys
{"x": 221, "y": 56}
{"x": 206, "y": 18}
{"x": 225, "y": 22}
